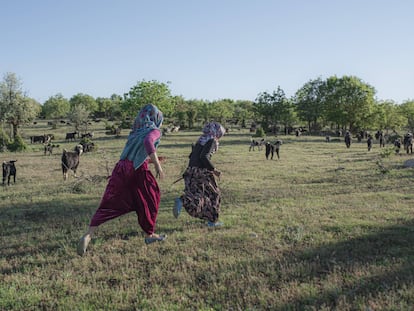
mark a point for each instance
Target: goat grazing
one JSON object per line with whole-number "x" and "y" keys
{"x": 48, "y": 148}
{"x": 9, "y": 170}
{"x": 87, "y": 135}
{"x": 70, "y": 160}
{"x": 71, "y": 136}
{"x": 256, "y": 143}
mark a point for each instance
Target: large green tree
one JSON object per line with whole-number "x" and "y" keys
{"x": 148, "y": 92}
{"x": 56, "y": 107}
{"x": 275, "y": 109}
{"x": 205, "y": 110}
{"x": 348, "y": 102}
{"x": 221, "y": 110}
{"x": 83, "y": 100}
{"x": 309, "y": 103}
{"x": 15, "y": 107}
{"x": 109, "y": 107}
{"x": 407, "y": 110}
{"x": 243, "y": 111}
{"x": 186, "y": 111}
{"x": 81, "y": 107}
{"x": 387, "y": 115}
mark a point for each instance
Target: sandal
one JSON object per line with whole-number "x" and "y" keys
{"x": 178, "y": 205}
{"x": 214, "y": 224}
{"x": 152, "y": 239}
{"x": 83, "y": 245}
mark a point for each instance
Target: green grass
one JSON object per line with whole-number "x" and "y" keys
{"x": 323, "y": 228}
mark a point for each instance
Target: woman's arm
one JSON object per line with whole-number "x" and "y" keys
{"x": 205, "y": 156}
{"x": 149, "y": 143}
{"x": 158, "y": 168}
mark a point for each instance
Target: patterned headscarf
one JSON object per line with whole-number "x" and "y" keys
{"x": 149, "y": 118}
{"x": 211, "y": 130}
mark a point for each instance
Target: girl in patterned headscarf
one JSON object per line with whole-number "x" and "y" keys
{"x": 132, "y": 187}
{"x": 201, "y": 196}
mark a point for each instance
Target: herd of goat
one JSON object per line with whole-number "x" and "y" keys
{"x": 271, "y": 148}
{"x": 70, "y": 159}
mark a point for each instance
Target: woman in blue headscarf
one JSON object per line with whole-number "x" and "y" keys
{"x": 132, "y": 187}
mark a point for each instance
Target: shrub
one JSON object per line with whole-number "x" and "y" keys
{"x": 393, "y": 137}
{"x": 4, "y": 141}
{"x": 125, "y": 124}
{"x": 18, "y": 144}
{"x": 259, "y": 132}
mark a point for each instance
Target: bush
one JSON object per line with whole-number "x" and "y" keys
{"x": 4, "y": 141}
{"x": 125, "y": 124}
{"x": 260, "y": 132}
{"x": 17, "y": 145}
{"x": 392, "y": 137}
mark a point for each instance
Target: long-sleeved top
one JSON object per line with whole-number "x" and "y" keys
{"x": 201, "y": 155}
{"x": 150, "y": 139}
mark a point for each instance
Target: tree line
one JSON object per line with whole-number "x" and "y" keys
{"x": 334, "y": 103}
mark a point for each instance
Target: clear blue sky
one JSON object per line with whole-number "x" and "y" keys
{"x": 211, "y": 49}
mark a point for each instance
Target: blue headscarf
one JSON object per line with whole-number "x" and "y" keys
{"x": 149, "y": 118}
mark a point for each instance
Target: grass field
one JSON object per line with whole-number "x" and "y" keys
{"x": 323, "y": 228}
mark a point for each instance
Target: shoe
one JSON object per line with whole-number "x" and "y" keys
{"x": 178, "y": 205}
{"x": 83, "y": 244}
{"x": 152, "y": 239}
{"x": 214, "y": 224}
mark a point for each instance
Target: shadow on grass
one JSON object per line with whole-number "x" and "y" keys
{"x": 27, "y": 229}
{"x": 387, "y": 250}
{"x": 380, "y": 249}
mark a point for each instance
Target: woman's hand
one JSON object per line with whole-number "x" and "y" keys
{"x": 159, "y": 173}
{"x": 217, "y": 172}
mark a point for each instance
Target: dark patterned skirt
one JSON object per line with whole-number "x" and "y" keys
{"x": 201, "y": 196}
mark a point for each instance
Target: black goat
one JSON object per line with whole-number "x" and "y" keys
{"x": 70, "y": 160}
{"x": 87, "y": 135}
{"x": 43, "y": 139}
{"x": 397, "y": 145}
{"x": 369, "y": 142}
{"x": 71, "y": 136}
{"x": 9, "y": 170}
{"x": 88, "y": 146}
{"x": 408, "y": 142}
{"x": 348, "y": 139}
{"x": 49, "y": 148}
{"x": 272, "y": 148}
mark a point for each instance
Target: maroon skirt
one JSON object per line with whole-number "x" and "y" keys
{"x": 130, "y": 190}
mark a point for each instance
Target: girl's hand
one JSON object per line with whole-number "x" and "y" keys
{"x": 159, "y": 173}
{"x": 158, "y": 169}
